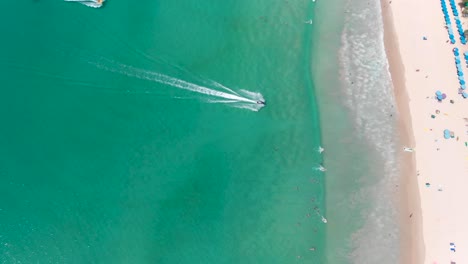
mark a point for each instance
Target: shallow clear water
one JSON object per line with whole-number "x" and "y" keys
{"x": 358, "y": 121}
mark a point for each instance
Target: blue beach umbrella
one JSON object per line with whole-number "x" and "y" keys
{"x": 446, "y": 134}
{"x": 465, "y": 95}
{"x": 462, "y": 82}
{"x": 457, "y": 61}
{"x": 463, "y": 87}
{"x": 456, "y": 53}
{"x": 460, "y": 73}
{"x": 452, "y": 41}
{"x": 438, "y": 92}
{"x": 455, "y": 49}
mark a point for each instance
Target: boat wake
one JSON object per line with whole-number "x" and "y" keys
{"x": 90, "y": 3}
{"x": 219, "y": 94}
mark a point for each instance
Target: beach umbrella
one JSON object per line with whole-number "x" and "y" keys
{"x": 463, "y": 87}
{"x": 452, "y": 41}
{"x": 465, "y": 95}
{"x": 455, "y": 49}
{"x": 462, "y": 82}
{"x": 456, "y": 53}
{"x": 460, "y": 73}
{"x": 444, "y": 96}
{"x": 438, "y": 92}
{"x": 446, "y": 134}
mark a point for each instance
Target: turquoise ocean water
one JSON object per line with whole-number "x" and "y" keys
{"x": 106, "y": 157}
{"x": 127, "y": 136}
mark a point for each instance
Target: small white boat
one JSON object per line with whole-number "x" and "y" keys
{"x": 90, "y": 3}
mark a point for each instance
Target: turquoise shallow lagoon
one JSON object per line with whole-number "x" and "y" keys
{"x": 101, "y": 163}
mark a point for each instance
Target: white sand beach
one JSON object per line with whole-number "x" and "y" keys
{"x": 422, "y": 62}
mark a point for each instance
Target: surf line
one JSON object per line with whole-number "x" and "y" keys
{"x": 249, "y": 100}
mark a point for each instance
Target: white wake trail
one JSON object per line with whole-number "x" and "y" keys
{"x": 247, "y": 101}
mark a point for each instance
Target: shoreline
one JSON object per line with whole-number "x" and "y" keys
{"x": 411, "y": 239}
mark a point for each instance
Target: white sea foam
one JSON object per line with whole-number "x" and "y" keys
{"x": 320, "y": 149}
{"x": 369, "y": 96}
{"x": 320, "y": 168}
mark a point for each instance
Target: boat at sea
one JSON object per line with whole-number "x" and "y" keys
{"x": 90, "y": 3}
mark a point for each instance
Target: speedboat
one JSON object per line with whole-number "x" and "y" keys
{"x": 261, "y": 102}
